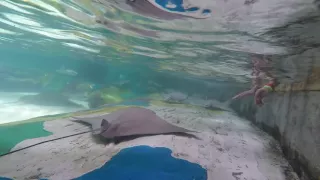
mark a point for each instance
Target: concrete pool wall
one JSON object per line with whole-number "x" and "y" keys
{"x": 292, "y": 116}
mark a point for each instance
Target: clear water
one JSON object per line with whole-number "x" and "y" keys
{"x": 80, "y": 54}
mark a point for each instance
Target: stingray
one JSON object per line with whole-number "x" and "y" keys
{"x": 125, "y": 124}
{"x": 131, "y": 122}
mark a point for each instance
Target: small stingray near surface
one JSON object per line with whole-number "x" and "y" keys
{"x": 131, "y": 122}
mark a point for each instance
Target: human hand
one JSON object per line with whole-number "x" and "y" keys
{"x": 246, "y": 93}
{"x": 259, "y": 95}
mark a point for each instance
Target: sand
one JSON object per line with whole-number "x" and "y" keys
{"x": 229, "y": 148}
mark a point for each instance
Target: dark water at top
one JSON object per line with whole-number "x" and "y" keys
{"x": 97, "y": 52}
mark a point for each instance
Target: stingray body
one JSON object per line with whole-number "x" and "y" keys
{"x": 133, "y": 121}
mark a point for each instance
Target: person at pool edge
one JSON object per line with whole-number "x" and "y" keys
{"x": 260, "y": 72}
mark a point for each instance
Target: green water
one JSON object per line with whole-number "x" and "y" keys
{"x": 10, "y": 137}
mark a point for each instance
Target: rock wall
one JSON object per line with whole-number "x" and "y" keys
{"x": 292, "y": 113}
{"x": 293, "y": 118}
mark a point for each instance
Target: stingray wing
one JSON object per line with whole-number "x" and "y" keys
{"x": 96, "y": 121}
{"x": 139, "y": 121}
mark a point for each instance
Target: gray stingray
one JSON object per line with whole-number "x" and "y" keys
{"x": 132, "y": 121}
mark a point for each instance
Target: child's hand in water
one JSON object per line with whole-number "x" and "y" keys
{"x": 246, "y": 93}
{"x": 259, "y": 95}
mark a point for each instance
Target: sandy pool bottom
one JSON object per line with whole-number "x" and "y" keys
{"x": 228, "y": 147}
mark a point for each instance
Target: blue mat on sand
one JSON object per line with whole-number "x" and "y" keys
{"x": 178, "y": 6}
{"x": 147, "y": 163}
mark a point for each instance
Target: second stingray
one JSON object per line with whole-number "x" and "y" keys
{"x": 132, "y": 121}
